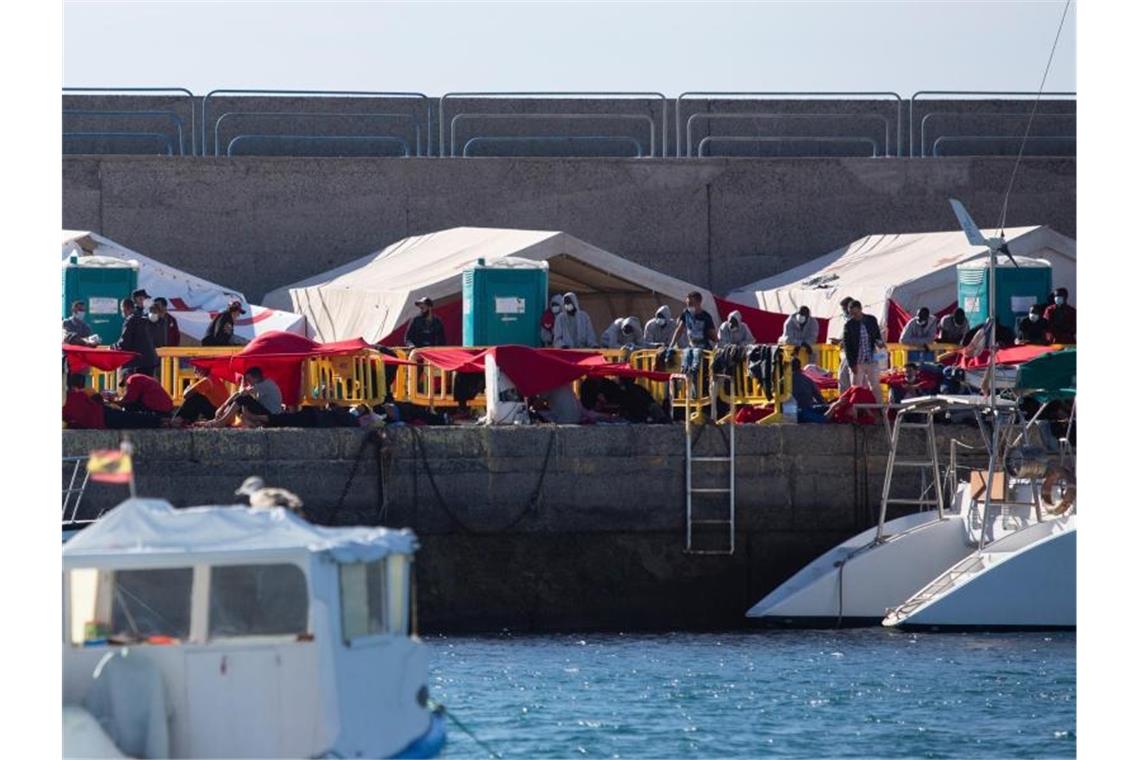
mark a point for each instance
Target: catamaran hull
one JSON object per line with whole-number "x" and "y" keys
{"x": 856, "y": 582}
{"x": 1032, "y": 588}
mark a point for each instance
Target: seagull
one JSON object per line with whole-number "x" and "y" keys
{"x": 260, "y": 496}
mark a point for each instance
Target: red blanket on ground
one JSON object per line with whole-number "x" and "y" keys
{"x": 533, "y": 370}
{"x": 843, "y": 410}
{"x": 80, "y": 358}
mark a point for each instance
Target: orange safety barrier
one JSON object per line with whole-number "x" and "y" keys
{"x": 344, "y": 380}
{"x": 175, "y": 371}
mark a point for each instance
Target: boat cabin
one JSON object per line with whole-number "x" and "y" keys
{"x": 243, "y": 632}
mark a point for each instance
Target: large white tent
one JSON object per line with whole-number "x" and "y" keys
{"x": 373, "y": 295}
{"x": 913, "y": 270}
{"x": 192, "y": 300}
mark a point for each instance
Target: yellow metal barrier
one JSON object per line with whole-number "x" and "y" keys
{"x": 176, "y": 372}
{"x": 344, "y": 380}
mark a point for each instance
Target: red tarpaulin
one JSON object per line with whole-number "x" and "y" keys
{"x": 450, "y": 314}
{"x": 533, "y": 370}
{"x": 80, "y": 358}
{"x": 897, "y": 317}
{"x": 279, "y": 355}
{"x": 766, "y": 326}
{"x": 1014, "y": 355}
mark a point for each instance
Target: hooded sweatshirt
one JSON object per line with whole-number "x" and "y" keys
{"x": 574, "y": 330}
{"x": 796, "y": 334}
{"x": 659, "y": 330}
{"x": 613, "y": 337}
{"x": 728, "y": 335}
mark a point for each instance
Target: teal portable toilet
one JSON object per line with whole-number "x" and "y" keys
{"x": 101, "y": 282}
{"x": 503, "y": 302}
{"x": 1018, "y": 288}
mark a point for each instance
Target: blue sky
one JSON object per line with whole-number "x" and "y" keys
{"x": 667, "y": 47}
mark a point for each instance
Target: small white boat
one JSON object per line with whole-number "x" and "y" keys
{"x": 1023, "y": 580}
{"x": 239, "y": 632}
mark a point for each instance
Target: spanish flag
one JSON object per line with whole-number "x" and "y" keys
{"x": 110, "y": 466}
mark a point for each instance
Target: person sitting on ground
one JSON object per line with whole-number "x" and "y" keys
{"x": 952, "y": 327}
{"x": 76, "y": 331}
{"x": 660, "y": 328}
{"x": 918, "y": 334}
{"x": 572, "y": 327}
{"x": 221, "y": 329}
{"x": 1061, "y": 318}
{"x": 1033, "y": 329}
{"x": 546, "y": 322}
{"x": 801, "y": 330}
{"x": 625, "y": 331}
{"x": 734, "y": 332}
{"x": 861, "y": 338}
{"x": 86, "y": 410}
{"x": 136, "y": 337}
{"x": 564, "y": 408}
{"x": 164, "y": 327}
{"x": 142, "y": 393}
{"x": 402, "y": 412}
{"x": 425, "y": 329}
{"x": 910, "y": 387}
{"x": 259, "y": 396}
{"x": 201, "y": 400}
{"x": 327, "y": 416}
{"x": 810, "y": 404}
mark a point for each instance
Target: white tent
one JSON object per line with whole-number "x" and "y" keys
{"x": 192, "y": 300}
{"x": 372, "y": 296}
{"x": 914, "y": 270}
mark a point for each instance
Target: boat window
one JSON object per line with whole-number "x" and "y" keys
{"x": 258, "y": 600}
{"x": 130, "y": 605}
{"x": 399, "y": 570}
{"x": 363, "y": 588}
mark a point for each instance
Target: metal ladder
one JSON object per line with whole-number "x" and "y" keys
{"x": 73, "y": 494}
{"x": 928, "y": 464}
{"x": 728, "y": 519}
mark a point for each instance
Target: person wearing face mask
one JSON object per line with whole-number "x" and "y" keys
{"x": 136, "y": 337}
{"x": 917, "y": 336}
{"x": 952, "y": 328}
{"x": 1061, "y": 318}
{"x": 659, "y": 329}
{"x": 734, "y": 332}
{"x": 1033, "y": 328}
{"x": 625, "y": 331}
{"x": 801, "y": 330}
{"x": 572, "y": 327}
{"x": 76, "y": 331}
{"x": 546, "y": 322}
{"x": 166, "y": 328}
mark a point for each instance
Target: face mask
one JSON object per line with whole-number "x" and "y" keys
{"x": 1059, "y": 300}
{"x": 1034, "y": 317}
{"x": 692, "y": 310}
{"x": 801, "y": 318}
{"x": 152, "y": 316}
{"x": 661, "y": 321}
{"x": 80, "y": 315}
{"x": 922, "y": 321}
{"x": 570, "y": 309}
{"x": 555, "y": 308}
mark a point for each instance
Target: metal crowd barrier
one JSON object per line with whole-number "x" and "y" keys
{"x": 986, "y": 115}
{"x": 971, "y": 94}
{"x": 156, "y": 91}
{"x": 701, "y": 116}
{"x": 175, "y": 371}
{"x": 175, "y": 120}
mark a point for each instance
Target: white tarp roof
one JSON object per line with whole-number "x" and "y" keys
{"x": 190, "y": 298}
{"x": 373, "y": 295}
{"x": 142, "y": 530}
{"x": 915, "y": 270}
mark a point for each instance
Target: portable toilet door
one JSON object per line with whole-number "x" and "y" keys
{"x": 1018, "y": 288}
{"x": 503, "y": 302}
{"x": 100, "y": 282}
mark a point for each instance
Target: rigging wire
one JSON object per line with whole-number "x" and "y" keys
{"x": 1029, "y": 124}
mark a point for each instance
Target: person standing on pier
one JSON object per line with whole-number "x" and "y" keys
{"x": 136, "y": 337}
{"x": 1061, "y": 318}
{"x": 426, "y": 329}
{"x": 573, "y": 328}
{"x": 861, "y": 337}
{"x": 844, "y": 367}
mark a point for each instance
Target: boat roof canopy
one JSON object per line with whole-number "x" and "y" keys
{"x": 142, "y": 532}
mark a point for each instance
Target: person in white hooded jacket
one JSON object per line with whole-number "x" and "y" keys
{"x": 572, "y": 327}
{"x": 802, "y": 331}
{"x": 733, "y": 332}
{"x": 625, "y": 331}
{"x": 660, "y": 328}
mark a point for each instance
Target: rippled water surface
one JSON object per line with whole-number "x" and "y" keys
{"x": 864, "y": 693}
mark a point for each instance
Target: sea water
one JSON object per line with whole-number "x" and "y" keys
{"x": 804, "y": 694}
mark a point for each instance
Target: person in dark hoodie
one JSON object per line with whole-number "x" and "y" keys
{"x": 425, "y": 329}
{"x": 136, "y": 337}
{"x": 221, "y": 329}
{"x": 1033, "y": 328}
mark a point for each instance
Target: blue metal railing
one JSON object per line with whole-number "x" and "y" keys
{"x": 176, "y": 91}
{"x": 175, "y": 119}
{"x": 156, "y": 136}
{"x": 982, "y": 114}
{"x": 334, "y": 141}
{"x": 649, "y": 96}
{"x": 872, "y": 96}
{"x": 307, "y": 93}
{"x": 942, "y": 94}
{"x": 1013, "y": 140}
{"x": 713, "y": 139}
{"x": 546, "y": 116}
{"x": 321, "y": 115}
{"x": 729, "y": 116}
{"x": 571, "y": 142}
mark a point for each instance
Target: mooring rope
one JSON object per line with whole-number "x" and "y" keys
{"x": 433, "y": 705}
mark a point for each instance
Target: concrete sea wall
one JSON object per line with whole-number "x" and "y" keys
{"x": 550, "y": 528}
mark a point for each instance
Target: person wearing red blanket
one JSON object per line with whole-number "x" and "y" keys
{"x": 843, "y": 408}
{"x": 142, "y": 393}
{"x": 86, "y": 411}
{"x": 1061, "y": 318}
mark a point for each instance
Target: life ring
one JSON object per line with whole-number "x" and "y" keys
{"x": 1068, "y": 481}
